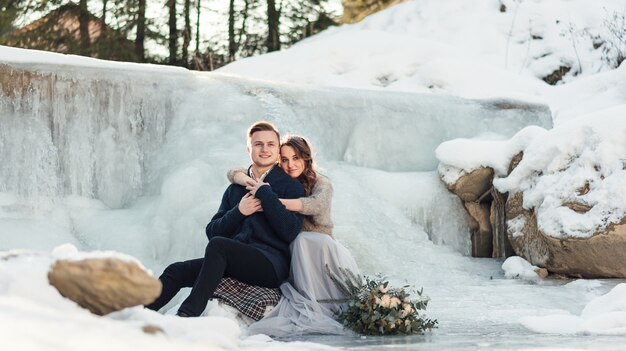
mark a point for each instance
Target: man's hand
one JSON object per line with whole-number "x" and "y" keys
{"x": 249, "y": 204}
{"x": 254, "y": 186}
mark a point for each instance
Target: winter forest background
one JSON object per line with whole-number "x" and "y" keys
{"x": 197, "y": 34}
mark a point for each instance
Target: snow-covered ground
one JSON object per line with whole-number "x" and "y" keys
{"x": 386, "y": 217}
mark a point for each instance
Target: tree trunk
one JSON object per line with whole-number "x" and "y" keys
{"x": 83, "y": 20}
{"x": 273, "y": 20}
{"x": 104, "y": 11}
{"x": 198, "y": 27}
{"x": 186, "y": 34}
{"x": 232, "y": 45}
{"x": 141, "y": 31}
{"x": 173, "y": 31}
{"x": 243, "y": 23}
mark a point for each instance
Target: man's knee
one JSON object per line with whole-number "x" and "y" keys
{"x": 174, "y": 271}
{"x": 218, "y": 246}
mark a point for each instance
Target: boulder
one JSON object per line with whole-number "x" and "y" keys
{"x": 599, "y": 256}
{"x": 471, "y": 186}
{"x": 104, "y": 285}
{"x": 480, "y": 227}
{"x": 152, "y": 329}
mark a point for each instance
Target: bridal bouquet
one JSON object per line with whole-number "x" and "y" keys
{"x": 375, "y": 308}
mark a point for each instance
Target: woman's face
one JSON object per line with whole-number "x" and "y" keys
{"x": 290, "y": 162}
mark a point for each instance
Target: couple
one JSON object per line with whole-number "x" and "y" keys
{"x": 255, "y": 233}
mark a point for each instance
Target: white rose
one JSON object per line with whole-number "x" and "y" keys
{"x": 395, "y": 302}
{"x": 385, "y": 301}
{"x": 406, "y": 311}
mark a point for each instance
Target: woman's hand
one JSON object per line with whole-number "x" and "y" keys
{"x": 242, "y": 179}
{"x": 254, "y": 186}
{"x": 249, "y": 204}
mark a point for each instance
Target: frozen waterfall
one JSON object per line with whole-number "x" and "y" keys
{"x": 133, "y": 157}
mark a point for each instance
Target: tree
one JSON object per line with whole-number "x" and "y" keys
{"x": 84, "y": 27}
{"x": 232, "y": 45}
{"x": 9, "y": 11}
{"x": 173, "y": 32}
{"x": 121, "y": 29}
{"x": 304, "y": 18}
{"x": 186, "y": 33}
{"x": 141, "y": 31}
{"x": 104, "y": 11}
{"x": 14, "y": 10}
{"x": 273, "y": 23}
{"x": 198, "y": 9}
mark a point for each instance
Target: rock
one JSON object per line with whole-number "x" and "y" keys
{"x": 482, "y": 238}
{"x": 104, "y": 285}
{"x": 599, "y": 256}
{"x": 152, "y": 329}
{"x": 356, "y": 10}
{"x": 515, "y": 161}
{"x": 470, "y": 187}
{"x": 584, "y": 189}
{"x": 577, "y": 206}
{"x": 542, "y": 272}
{"x": 497, "y": 218}
{"x": 557, "y": 75}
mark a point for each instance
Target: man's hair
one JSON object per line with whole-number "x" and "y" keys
{"x": 262, "y": 126}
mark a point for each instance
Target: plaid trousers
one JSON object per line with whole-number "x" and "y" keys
{"x": 252, "y": 301}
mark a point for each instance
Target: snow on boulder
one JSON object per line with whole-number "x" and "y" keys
{"x": 566, "y": 209}
{"x": 516, "y": 267}
{"x": 565, "y": 203}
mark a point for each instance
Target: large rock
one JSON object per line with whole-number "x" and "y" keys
{"x": 104, "y": 285}
{"x": 480, "y": 227}
{"x": 600, "y": 256}
{"x": 473, "y": 185}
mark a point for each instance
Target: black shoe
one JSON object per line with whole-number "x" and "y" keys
{"x": 183, "y": 314}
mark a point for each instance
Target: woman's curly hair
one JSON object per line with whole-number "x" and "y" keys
{"x": 301, "y": 147}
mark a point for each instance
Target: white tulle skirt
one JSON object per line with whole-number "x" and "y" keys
{"x": 299, "y": 310}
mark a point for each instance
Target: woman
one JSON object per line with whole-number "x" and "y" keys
{"x": 299, "y": 310}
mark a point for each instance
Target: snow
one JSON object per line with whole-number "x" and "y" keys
{"x": 557, "y": 165}
{"x": 468, "y": 49}
{"x": 516, "y": 267}
{"x": 482, "y": 152}
{"x": 140, "y": 180}
{"x": 588, "y": 150}
{"x": 604, "y": 315}
{"x": 32, "y": 58}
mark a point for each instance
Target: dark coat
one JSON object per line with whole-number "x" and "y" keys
{"x": 270, "y": 231}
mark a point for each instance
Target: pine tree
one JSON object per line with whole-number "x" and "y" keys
{"x": 273, "y": 24}
{"x": 83, "y": 19}
{"x": 173, "y": 33}
{"x": 141, "y": 31}
{"x": 186, "y": 33}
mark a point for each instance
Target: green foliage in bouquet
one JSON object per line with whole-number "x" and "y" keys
{"x": 375, "y": 308}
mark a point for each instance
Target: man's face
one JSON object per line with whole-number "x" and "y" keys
{"x": 263, "y": 148}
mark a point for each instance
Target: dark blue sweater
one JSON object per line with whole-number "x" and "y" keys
{"x": 270, "y": 231}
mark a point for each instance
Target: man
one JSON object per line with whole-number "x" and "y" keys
{"x": 249, "y": 236}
